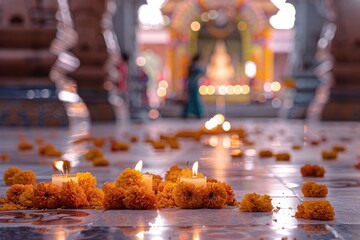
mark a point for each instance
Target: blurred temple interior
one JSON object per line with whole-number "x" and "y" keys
{"x": 108, "y": 60}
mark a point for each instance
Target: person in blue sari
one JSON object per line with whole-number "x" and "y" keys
{"x": 193, "y": 104}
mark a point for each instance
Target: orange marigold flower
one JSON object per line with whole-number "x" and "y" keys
{"x": 265, "y": 153}
{"x": 24, "y": 177}
{"x": 47, "y": 195}
{"x": 253, "y": 202}
{"x": 315, "y": 170}
{"x": 130, "y": 177}
{"x": 186, "y": 195}
{"x": 231, "y": 195}
{"x": 11, "y": 206}
{"x": 164, "y": 197}
{"x": 91, "y": 154}
{"x": 73, "y": 196}
{"x": 313, "y": 189}
{"x": 23, "y": 145}
{"x": 14, "y": 192}
{"x": 95, "y": 197}
{"x": 9, "y": 174}
{"x": 100, "y": 162}
{"x": 86, "y": 180}
{"x": 27, "y": 197}
{"x": 316, "y": 210}
{"x": 214, "y": 195}
{"x": 139, "y": 198}
{"x": 173, "y": 174}
{"x": 113, "y": 198}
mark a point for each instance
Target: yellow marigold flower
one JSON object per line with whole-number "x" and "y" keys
{"x": 9, "y": 174}
{"x": 100, "y": 162}
{"x": 14, "y": 192}
{"x": 173, "y": 174}
{"x": 95, "y": 197}
{"x": 130, "y": 177}
{"x": 47, "y": 195}
{"x": 73, "y": 196}
{"x": 86, "y": 180}
{"x": 164, "y": 197}
{"x": 214, "y": 195}
{"x": 316, "y": 210}
{"x": 27, "y": 197}
{"x": 113, "y": 198}
{"x": 11, "y": 206}
{"x": 253, "y": 202}
{"x": 186, "y": 195}
{"x": 24, "y": 177}
{"x": 139, "y": 198}
{"x": 329, "y": 155}
{"x": 315, "y": 170}
{"x": 313, "y": 189}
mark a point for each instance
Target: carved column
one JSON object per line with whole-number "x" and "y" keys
{"x": 310, "y": 20}
{"x": 27, "y": 96}
{"x": 344, "y": 97}
{"x": 125, "y": 25}
{"x": 92, "y": 76}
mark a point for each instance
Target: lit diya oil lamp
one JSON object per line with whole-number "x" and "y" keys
{"x": 58, "y": 179}
{"x": 148, "y": 178}
{"x": 195, "y": 179}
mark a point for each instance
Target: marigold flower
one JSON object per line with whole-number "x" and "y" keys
{"x": 313, "y": 189}
{"x": 86, "y": 180}
{"x": 315, "y": 170}
{"x": 164, "y": 196}
{"x": 23, "y": 145}
{"x": 231, "y": 195}
{"x": 186, "y": 195}
{"x": 119, "y": 146}
{"x": 339, "y": 148}
{"x": 284, "y": 156}
{"x": 11, "y": 206}
{"x": 9, "y": 174}
{"x": 47, "y": 195}
{"x": 130, "y": 177}
{"x": 113, "y": 198}
{"x": 253, "y": 202}
{"x": 14, "y": 192}
{"x": 329, "y": 155}
{"x": 173, "y": 174}
{"x": 100, "y": 162}
{"x": 214, "y": 195}
{"x": 316, "y": 210}
{"x": 27, "y": 197}
{"x": 265, "y": 153}
{"x": 139, "y": 198}
{"x": 24, "y": 177}
{"x": 91, "y": 154}
{"x": 73, "y": 196}
{"x": 95, "y": 197}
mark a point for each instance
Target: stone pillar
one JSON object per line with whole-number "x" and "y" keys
{"x": 27, "y": 96}
{"x": 92, "y": 76}
{"x": 125, "y": 26}
{"x": 310, "y": 20}
{"x": 344, "y": 95}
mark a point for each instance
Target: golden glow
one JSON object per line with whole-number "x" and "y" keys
{"x": 59, "y": 165}
{"x": 213, "y": 141}
{"x": 237, "y": 89}
{"x": 140, "y": 235}
{"x": 226, "y": 142}
{"x": 203, "y": 90}
{"x": 222, "y": 90}
{"x": 226, "y": 126}
{"x": 219, "y": 118}
{"x": 230, "y": 90}
{"x": 211, "y": 90}
{"x": 163, "y": 84}
{"x": 161, "y": 92}
{"x": 242, "y": 26}
{"x": 139, "y": 165}
{"x": 245, "y": 89}
{"x": 195, "y": 169}
{"x": 195, "y": 26}
{"x": 275, "y": 86}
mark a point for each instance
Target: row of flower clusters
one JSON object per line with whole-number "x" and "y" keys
{"x": 127, "y": 192}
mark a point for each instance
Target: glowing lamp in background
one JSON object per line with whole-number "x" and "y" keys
{"x": 250, "y": 69}
{"x": 275, "y": 86}
{"x": 226, "y": 126}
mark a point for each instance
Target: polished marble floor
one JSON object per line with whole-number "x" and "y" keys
{"x": 281, "y": 180}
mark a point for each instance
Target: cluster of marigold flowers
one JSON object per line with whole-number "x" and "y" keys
{"x": 127, "y": 192}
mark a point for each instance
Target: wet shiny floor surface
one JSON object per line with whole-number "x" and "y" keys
{"x": 281, "y": 180}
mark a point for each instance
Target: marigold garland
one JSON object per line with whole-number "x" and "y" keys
{"x": 139, "y": 198}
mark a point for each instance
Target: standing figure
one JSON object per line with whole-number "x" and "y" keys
{"x": 191, "y": 88}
